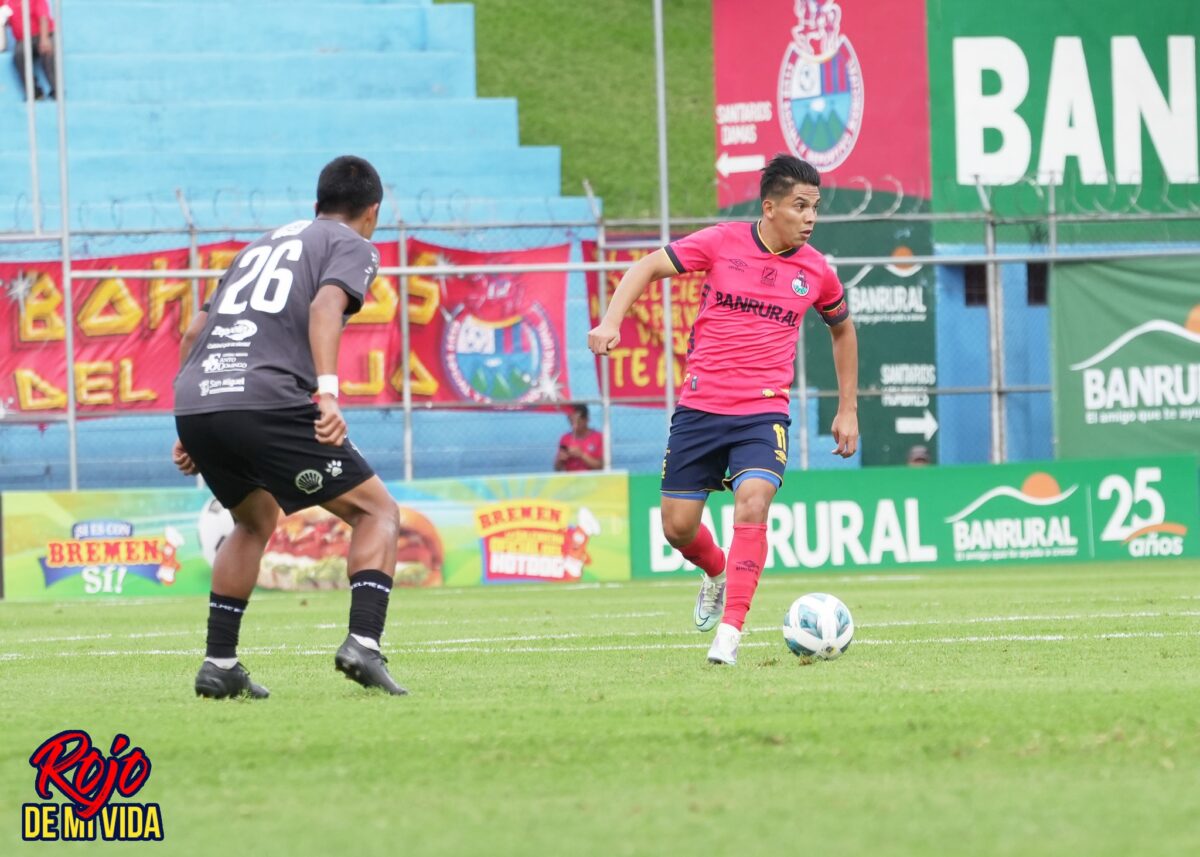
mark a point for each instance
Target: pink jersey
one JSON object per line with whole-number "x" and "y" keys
{"x": 591, "y": 444}
{"x": 742, "y": 348}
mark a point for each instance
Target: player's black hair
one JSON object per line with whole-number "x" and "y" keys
{"x": 783, "y": 173}
{"x": 580, "y": 409}
{"x": 348, "y": 186}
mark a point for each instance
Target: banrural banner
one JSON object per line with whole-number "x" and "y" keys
{"x": 897, "y": 518}
{"x": 1126, "y": 341}
{"x": 1101, "y": 104}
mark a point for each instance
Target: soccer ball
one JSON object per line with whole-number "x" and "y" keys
{"x": 818, "y": 626}
{"x": 212, "y": 527}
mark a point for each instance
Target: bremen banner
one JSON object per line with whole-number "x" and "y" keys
{"x": 1127, "y": 357}
{"x": 481, "y": 339}
{"x": 553, "y": 528}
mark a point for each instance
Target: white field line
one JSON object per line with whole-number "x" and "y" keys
{"x": 907, "y": 623}
{"x": 1066, "y": 617}
{"x": 437, "y": 648}
{"x": 198, "y": 630}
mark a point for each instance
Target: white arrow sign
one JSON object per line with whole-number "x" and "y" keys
{"x": 925, "y": 425}
{"x": 728, "y": 163}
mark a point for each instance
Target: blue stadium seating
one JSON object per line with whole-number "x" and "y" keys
{"x": 237, "y": 105}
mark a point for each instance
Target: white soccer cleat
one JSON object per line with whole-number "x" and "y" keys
{"x": 710, "y": 603}
{"x": 725, "y": 645}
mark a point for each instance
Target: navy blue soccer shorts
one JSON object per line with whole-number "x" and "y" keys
{"x": 711, "y": 452}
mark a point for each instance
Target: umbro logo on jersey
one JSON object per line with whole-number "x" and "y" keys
{"x": 310, "y": 481}
{"x": 768, "y": 276}
{"x": 738, "y": 265}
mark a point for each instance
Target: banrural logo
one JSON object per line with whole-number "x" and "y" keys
{"x": 1136, "y": 378}
{"x": 837, "y": 533}
{"x": 1008, "y": 522}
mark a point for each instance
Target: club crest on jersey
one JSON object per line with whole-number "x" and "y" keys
{"x": 820, "y": 92}
{"x": 799, "y": 284}
{"x": 499, "y": 346}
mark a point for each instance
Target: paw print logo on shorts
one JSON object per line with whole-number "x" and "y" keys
{"x": 334, "y": 469}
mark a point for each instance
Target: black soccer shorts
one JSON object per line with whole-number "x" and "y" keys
{"x": 239, "y": 451}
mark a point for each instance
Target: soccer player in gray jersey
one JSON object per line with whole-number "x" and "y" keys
{"x": 252, "y": 361}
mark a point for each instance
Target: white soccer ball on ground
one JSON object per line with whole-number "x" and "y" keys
{"x": 818, "y": 625}
{"x": 213, "y": 526}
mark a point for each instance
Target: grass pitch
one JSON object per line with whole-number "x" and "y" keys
{"x": 1048, "y": 710}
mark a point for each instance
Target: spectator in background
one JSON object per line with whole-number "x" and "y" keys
{"x": 582, "y": 448}
{"x": 41, "y": 29}
{"x": 918, "y": 456}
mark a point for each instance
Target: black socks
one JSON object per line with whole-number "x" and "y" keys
{"x": 369, "y": 591}
{"x": 224, "y": 623}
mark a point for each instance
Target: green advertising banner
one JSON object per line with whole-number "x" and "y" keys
{"x": 61, "y": 545}
{"x": 1126, "y": 341}
{"x": 895, "y": 314}
{"x": 466, "y": 532}
{"x": 898, "y": 518}
{"x": 1098, "y": 100}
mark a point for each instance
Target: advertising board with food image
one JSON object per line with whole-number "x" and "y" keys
{"x": 552, "y": 528}
{"x": 555, "y": 528}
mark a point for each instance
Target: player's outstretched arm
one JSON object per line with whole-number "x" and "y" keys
{"x": 845, "y": 364}
{"x": 605, "y": 336}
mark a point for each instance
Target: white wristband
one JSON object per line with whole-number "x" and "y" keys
{"x": 327, "y": 385}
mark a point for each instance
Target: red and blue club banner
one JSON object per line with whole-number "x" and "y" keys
{"x": 842, "y": 84}
{"x": 489, "y": 339}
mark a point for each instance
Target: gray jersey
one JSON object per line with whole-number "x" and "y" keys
{"x": 253, "y": 353}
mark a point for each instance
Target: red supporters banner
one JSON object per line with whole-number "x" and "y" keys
{"x": 489, "y": 339}
{"x": 482, "y": 339}
{"x": 126, "y": 335}
{"x": 636, "y": 366}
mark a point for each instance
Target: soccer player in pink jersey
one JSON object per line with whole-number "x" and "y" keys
{"x": 730, "y": 427}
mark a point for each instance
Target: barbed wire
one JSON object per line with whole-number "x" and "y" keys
{"x": 237, "y": 209}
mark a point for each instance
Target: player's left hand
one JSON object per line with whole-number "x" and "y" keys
{"x": 182, "y": 460}
{"x": 330, "y": 425}
{"x": 845, "y": 432}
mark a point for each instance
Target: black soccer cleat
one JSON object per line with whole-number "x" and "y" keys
{"x": 215, "y": 683}
{"x": 365, "y": 666}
